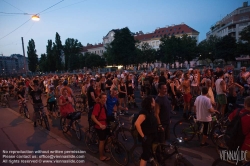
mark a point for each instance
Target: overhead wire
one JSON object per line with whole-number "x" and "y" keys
{"x": 13, "y": 6}
{"x": 16, "y": 13}
{"x": 28, "y": 19}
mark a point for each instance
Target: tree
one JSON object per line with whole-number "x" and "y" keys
{"x": 170, "y": 50}
{"x": 32, "y": 56}
{"x": 245, "y": 34}
{"x": 94, "y": 60}
{"x": 72, "y": 52}
{"x": 122, "y": 47}
{"x": 51, "y": 60}
{"x": 226, "y": 48}
{"x": 43, "y": 63}
{"x": 207, "y": 48}
{"x": 188, "y": 48}
{"x": 57, "y": 52}
{"x": 148, "y": 54}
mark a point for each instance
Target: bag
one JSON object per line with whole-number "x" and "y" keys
{"x": 234, "y": 136}
{"x": 134, "y": 131}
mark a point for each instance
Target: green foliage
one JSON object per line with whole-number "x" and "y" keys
{"x": 93, "y": 60}
{"x": 51, "y": 60}
{"x": 32, "y": 56}
{"x": 147, "y": 53}
{"x": 122, "y": 49}
{"x": 73, "y": 56}
{"x": 226, "y": 48}
{"x": 57, "y": 51}
{"x": 245, "y": 34}
{"x": 207, "y": 48}
{"x": 43, "y": 63}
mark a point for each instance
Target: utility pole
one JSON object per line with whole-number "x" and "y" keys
{"x": 24, "y": 62}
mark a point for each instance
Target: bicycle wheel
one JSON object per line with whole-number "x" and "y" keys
{"x": 136, "y": 155}
{"x": 77, "y": 130}
{"x": 185, "y": 130}
{"x": 119, "y": 153}
{"x": 92, "y": 141}
{"x": 26, "y": 112}
{"x": 182, "y": 161}
{"x": 45, "y": 118}
{"x": 217, "y": 136}
{"x": 63, "y": 125}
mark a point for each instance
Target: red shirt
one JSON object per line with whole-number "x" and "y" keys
{"x": 245, "y": 121}
{"x": 102, "y": 115}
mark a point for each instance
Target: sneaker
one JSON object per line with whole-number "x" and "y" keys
{"x": 205, "y": 144}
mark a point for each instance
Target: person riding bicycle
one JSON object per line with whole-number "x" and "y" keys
{"x": 65, "y": 103}
{"x": 51, "y": 99}
{"x": 36, "y": 96}
{"x": 146, "y": 125}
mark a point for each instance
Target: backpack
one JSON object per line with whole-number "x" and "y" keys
{"x": 234, "y": 136}
{"x": 91, "y": 122}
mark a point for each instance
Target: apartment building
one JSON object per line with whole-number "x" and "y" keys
{"x": 13, "y": 64}
{"x": 232, "y": 24}
{"x": 153, "y": 39}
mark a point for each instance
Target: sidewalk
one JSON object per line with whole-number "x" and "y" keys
{"x": 18, "y": 134}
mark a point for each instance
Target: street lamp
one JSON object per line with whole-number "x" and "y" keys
{"x": 35, "y": 18}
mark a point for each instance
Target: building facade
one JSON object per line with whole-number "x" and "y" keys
{"x": 14, "y": 64}
{"x": 232, "y": 24}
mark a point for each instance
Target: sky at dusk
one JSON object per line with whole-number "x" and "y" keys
{"x": 89, "y": 21}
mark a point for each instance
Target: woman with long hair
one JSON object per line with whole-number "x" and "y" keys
{"x": 146, "y": 125}
{"x": 122, "y": 89}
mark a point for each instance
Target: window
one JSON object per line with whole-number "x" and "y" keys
{"x": 168, "y": 34}
{"x": 166, "y": 30}
{"x": 159, "y": 31}
{"x": 163, "y": 31}
{"x": 156, "y": 36}
{"x": 160, "y": 35}
{"x": 170, "y": 29}
{"x": 182, "y": 31}
{"x": 153, "y": 36}
{"x": 177, "y": 32}
{"x": 179, "y": 28}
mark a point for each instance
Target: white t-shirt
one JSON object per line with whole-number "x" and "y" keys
{"x": 203, "y": 104}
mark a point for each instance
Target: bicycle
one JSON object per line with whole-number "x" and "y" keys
{"x": 160, "y": 153}
{"x": 5, "y": 100}
{"x": 55, "y": 109}
{"x": 42, "y": 117}
{"x": 188, "y": 128}
{"x": 73, "y": 124}
{"x": 24, "y": 109}
{"x": 112, "y": 144}
{"x": 80, "y": 105}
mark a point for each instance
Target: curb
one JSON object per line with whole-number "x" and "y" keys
{"x": 64, "y": 142}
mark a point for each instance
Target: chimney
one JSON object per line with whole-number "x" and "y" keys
{"x": 173, "y": 25}
{"x": 182, "y": 23}
{"x": 166, "y": 26}
{"x": 245, "y": 4}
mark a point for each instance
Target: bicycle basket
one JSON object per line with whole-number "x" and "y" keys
{"x": 74, "y": 115}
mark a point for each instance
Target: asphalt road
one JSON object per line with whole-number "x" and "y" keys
{"x": 191, "y": 149}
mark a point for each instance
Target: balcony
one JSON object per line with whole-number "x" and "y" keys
{"x": 231, "y": 30}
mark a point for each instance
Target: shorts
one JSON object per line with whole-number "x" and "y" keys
{"x": 221, "y": 99}
{"x": 187, "y": 97}
{"x": 102, "y": 134}
{"x": 206, "y": 129}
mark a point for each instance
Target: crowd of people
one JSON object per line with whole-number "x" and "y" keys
{"x": 112, "y": 93}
